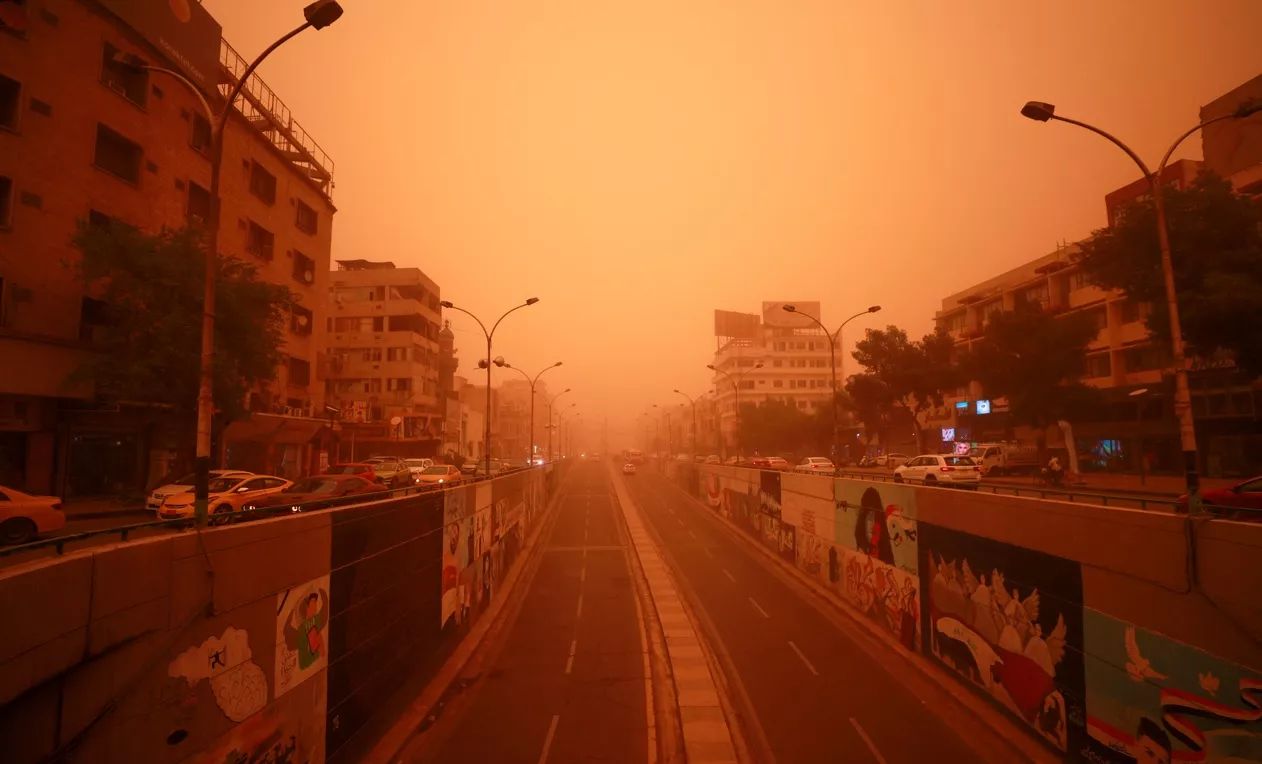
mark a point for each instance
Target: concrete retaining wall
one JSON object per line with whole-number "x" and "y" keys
{"x": 1099, "y": 629}
{"x": 276, "y": 640}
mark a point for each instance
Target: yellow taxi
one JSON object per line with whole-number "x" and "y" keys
{"x": 227, "y": 494}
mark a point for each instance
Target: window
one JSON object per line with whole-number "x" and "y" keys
{"x": 1100, "y": 316}
{"x": 117, "y": 155}
{"x": 1143, "y": 358}
{"x": 398, "y": 384}
{"x": 300, "y": 320}
{"x": 396, "y": 354}
{"x": 1098, "y": 365}
{"x": 1132, "y": 311}
{"x": 129, "y": 81}
{"x": 406, "y": 324}
{"x": 1034, "y": 295}
{"x": 990, "y": 309}
{"x": 304, "y": 268}
{"x": 6, "y": 200}
{"x": 259, "y": 241}
{"x": 1079, "y": 280}
{"x": 262, "y": 183}
{"x": 777, "y": 363}
{"x": 954, "y": 323}
{"x": 199, "y": 137}
{"x": 10, "y": 97}
{"x": 198, "y": 203}
{"x": 778, "y": 383}
{"x": 305, "y": 218}
{"x": 92, "y": 317}
{"x": 371, "y": 354}
{"x": 299, "y": 372}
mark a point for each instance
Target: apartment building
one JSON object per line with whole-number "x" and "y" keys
{"x": 383, "y": 348}
{"x": 83, "y": 138}
{"x": 793, "y": 353}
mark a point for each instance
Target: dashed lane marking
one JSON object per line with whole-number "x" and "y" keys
{"x": 809, "y": 666}
{"x": 867, "y": 741}
{"x": 547, "y": 741}
{"x": 729, "y": 575}
{"x": 758, "y": 607}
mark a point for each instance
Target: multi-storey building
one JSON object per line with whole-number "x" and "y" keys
{"x": 383, "y": 348}
{"x": 793, "y": 353}
{"x": 86, "y": 138}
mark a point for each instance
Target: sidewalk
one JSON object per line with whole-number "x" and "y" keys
{"x": 98, "y": 508}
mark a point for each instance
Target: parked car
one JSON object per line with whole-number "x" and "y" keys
{"x": 778, "y": 463}
{"x": 733, "y": 461}
{"x": 359, "y": 469}
{"x": 227, "y": 495}
{"x": 757, "y": 462}
{"x": 391, "y": 471}
{"x": 184, "y": 485}
{"x": 417, "y": 466}
{"x": 1242, "y": 501}
{"x": 629, "y": 468}
{"x": 816, "y": 465}
{"x": 317, "y": 488}
{"x": 945, "y": 469}
{"x": 713, "y": 459}
{"x": 890, "y": 461}
{"x": 440, "y": 474}
{"x": 24, "y": 516}
{"x": 469, "y": 466}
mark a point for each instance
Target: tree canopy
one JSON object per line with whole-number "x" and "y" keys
{"x": 1216, "y": 247}
{"x": 148, "y": 329}
{"x": 913, "y": 375}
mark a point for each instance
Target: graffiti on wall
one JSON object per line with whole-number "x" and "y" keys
{"x": 458, "y": 511}
{"x": 226, "y": 663}
{"x": 873, "y": 562}
{"x": 282, "y": 734}
{"x": 1009, "y": 621}
{"x": 302, "y": 633}
{"x": 1153, "y": 699}
{"x": 769, "y": 512}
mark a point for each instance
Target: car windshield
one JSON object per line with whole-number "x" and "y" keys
{"x": 435, "y": 471}
{"x": 314, "y": 485}
{"x": 959, "y": 461}
{"x": 415, "y": 462}
{"x": 219, "y": 485}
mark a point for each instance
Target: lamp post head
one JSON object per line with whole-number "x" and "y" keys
{"x": 481, "y": 363}
{"x": 446, "y": 304}
{"x": 558, "y": 363}
{"x": 128, "y": 60}
{"x": 874, "y": 309}
{"x": 677, "y": 390}
{"x": 1248, "y": 109}
{"x": 321, "y": 13}
{"x": 789, "y": 308}
{"x": 1038, "y": 111}
{"x": 710, "y": 366}
{"x": 500, "y": 362}
{"x": 532, "y": 300}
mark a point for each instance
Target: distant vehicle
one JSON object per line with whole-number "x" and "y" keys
{"x": 713, "y": 459}
{"x": 635, "y": 456}
{"x": 1005, "y": 458}
{"x": 440, "y": 474}
{"x": 815, "y": 465}
{"x": 629, "y": 468}
{"x": 319, "y": 488}
{"x": 184, "y": 485}
{"x": 538, "y": 461}
{"x": 733, "y": 461}
{"x": 360, "y": 469}
{"x": 890, "y": 460}
{"x": 778, "y": 463}
{"x": 227, "y": 495}
{"x": 417, "y": 466}
{"x": 390, "y": 471}
{"x": 757, "y": 462}
{"x": 24, "y": 516}
{"x": 469, "y": 466}
{"x": 939, "y": 469}
{"x": 866, "y": 461}
{"x": 682, "y": 458}
{"x": 1242, "y": 501}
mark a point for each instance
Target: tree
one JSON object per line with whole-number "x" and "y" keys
{"x": 916, "y": 375}
{"x": 1216, "y": 247}
{"x": 873, "y": 404}
{"x": 777, "y": 427}
{"x": 148, "y": 293}
{"x": 1035, "y": 359}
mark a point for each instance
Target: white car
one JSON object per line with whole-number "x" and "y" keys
{"x": 629, "y": 468}
{"x": 816, "y": 465}
{"x": 227, "y": 495}
{"x": 417, "y": 466}
{"x": 890, "y": 460}
{"x": 939, "y": 469}
{"x": 185, "y": 484}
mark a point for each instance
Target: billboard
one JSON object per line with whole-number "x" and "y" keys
{"x": 731, "y": 324}
{"x": 774, "y": 314}
{"x": 182, "y": 29}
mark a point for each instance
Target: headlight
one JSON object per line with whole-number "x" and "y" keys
{"x": 295, "y": 508}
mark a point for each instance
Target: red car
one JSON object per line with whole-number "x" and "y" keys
{"x": 316, "y": 489}
{"x": 1242, "y": 501}
{"x": 359, "y": 469}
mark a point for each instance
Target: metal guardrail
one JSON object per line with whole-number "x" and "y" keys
{"x": 245, "y": 515}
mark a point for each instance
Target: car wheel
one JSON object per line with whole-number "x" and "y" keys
{"x": 222, "y": 515}
{"x": 17, "y": 530}
{"x": 898, "y": 478}
{"x": 930, "y": 480}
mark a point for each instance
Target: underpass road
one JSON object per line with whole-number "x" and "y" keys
{"x": 565, "y": 683}
{"x": 817, "y": 694}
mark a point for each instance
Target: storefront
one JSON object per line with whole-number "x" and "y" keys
{"x": 275, "y": 444}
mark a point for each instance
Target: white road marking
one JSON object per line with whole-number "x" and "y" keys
{"x": 729, "y": 575}
{"x": 801, "y": 655}
{"x": 708, "y": 551}
{"x": 758, "y": 607}
{"x": 582, "y": 574}
{"x": 547, "y": 741}
{"x": 867, "y": 741}
{"x": 692, "y": 533}
{"x": 569, "y": 662}
{"x": 579, "y": 612}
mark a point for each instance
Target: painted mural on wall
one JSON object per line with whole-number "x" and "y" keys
{"x": 1009, "y": 621}
{"x": 481, "y": 577}
{"x": 458, "y": 545}
{"x": 1154, "y": 699}
{"x": 282, "y": 734}
{"x": 874, "y": 561}
{"x": 712, "y": 490}
{"x": 811, "y": 516}
{"x": 769, "y": 510}
{"x": 302, "y": 633}
{"x": 226, "y": 663}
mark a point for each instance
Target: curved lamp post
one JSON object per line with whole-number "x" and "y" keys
{"x": 693, "y": 404}
{"x": 318, "y": 15}
{"x": 1043, "y": 112}
{"x": 834, "y": 339}
{"x": 489, "y": 336}
{"x": 735, "y": 379}
{"x": 550, "y": 428}
{"x": 530, "y": 461}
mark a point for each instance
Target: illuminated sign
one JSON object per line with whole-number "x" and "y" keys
{"x": 983, "y": 406}
{"x": 948, "y": 434}
{"x": 961, "y": 405}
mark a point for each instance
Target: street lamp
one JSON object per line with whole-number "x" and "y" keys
{"x": 693, "y": 404}
{"x": 735, "y": 380}
{"x": 550, "y": 403}
{"x": 318, "y": 15}
{"x": 489, "y": 335}
{"x": 1043, "y": 112}
{"x": 532, "y": 380}
{"x": 833, "y": 340}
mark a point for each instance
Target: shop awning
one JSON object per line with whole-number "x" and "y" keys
{"x": 274, "y": 428}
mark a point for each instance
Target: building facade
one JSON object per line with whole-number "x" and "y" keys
{"x": 83, "y": 138}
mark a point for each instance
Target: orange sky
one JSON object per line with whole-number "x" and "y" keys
{"x": 636, "y": 164}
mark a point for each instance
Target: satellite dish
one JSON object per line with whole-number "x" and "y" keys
{"x": 396, "y": 421}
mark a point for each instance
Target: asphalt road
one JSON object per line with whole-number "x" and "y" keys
{"x": 564, "y": 682}
{"x": 817, "y": 694}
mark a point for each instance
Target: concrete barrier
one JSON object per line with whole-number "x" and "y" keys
{"x": 276, "y": 640}
{"x": 1101, "y": 630}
